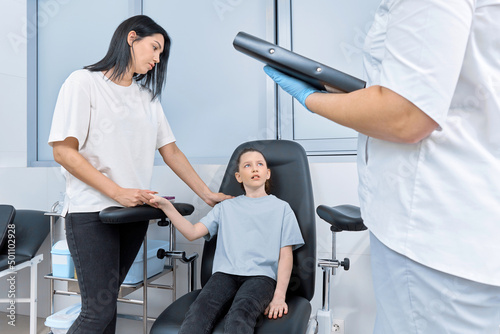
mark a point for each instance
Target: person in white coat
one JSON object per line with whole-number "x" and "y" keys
{"x": 428, "y": 160}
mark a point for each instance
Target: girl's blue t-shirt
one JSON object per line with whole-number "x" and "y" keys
{"x": 251, "y": 232}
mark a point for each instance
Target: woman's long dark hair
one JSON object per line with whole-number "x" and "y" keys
{"x": 119, "y": 55}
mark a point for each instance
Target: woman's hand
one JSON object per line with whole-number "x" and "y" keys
{"x": 214, "y": 198}
{"x": 276, "y": 308}
{"x": 67, "y": 155}
{"x": 133, "y": 197}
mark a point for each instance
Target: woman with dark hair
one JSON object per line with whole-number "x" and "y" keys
{"x": 107, "y": 124}
{"x": 122, "y": 51}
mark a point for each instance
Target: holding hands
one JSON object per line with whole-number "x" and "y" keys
{"x": 160, "y": 202}
{"x": 132, "y": 197}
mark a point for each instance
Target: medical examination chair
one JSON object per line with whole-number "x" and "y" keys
{"x": 22, "y": 232}
{"x": 291, "y": 182}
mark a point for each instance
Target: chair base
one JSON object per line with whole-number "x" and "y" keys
{"x": 324, "y": 319}
{"x": 299, "y": 308}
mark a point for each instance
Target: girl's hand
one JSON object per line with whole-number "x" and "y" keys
{"x": 276, "y": 309}
{"x": 133, "y": 197}
{"x": 158, "y": 202}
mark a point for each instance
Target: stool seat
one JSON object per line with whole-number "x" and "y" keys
{"x": 121, "y": 215}
{"x": 342, "y": 217}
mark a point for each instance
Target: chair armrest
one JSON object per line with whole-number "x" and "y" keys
{"x": 120, "y": 215}
{"x": 342, "y": 217}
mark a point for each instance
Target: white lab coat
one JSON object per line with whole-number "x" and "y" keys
{"x": 438, "y": 201}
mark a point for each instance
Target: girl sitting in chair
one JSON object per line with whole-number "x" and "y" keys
{"x": 253, "y": 259}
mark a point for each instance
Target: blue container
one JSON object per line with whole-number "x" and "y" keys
{"x": 61, "y": 321}
{"x": 62, "y": 263}
{"x": 155, "y": 265}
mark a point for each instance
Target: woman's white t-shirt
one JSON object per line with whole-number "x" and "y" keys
{"x": 118, "y": 130}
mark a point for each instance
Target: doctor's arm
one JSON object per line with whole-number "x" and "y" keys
{"x": 66, "y": 154}
{"x": 178, "y": 162}
{"x": 278, "y": 307}
{"x": 375, "y": 111}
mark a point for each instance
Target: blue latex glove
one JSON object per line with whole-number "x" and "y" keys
{"x": 297, "y": 88}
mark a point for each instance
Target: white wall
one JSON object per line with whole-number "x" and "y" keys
{"x": 38, "y": 188}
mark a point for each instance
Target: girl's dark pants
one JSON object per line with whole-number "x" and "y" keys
{"x": 246, "y": 298}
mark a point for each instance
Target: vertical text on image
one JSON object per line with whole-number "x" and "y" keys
{"x": 11, "y": 279}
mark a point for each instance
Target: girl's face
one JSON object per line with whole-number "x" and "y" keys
{"x": 145, "y": 52}
{"x": 252, "y": 170}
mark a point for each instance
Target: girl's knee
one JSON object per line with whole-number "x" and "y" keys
{"x": 239, "y": 324}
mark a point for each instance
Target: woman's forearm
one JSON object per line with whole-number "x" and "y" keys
{"x": 376, "y": 112}
{"x": 67, "y": 155}
{"x": 180, "y": 165}
{"x": 178, "y": 162}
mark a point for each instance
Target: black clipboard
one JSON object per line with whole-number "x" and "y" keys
{"x": 316, "y": 74}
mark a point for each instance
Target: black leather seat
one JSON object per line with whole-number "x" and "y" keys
{"x": 7, "y": 214}
{"x": 22, "y": 232}
{"x": 342, "y": 217}
{"x": 31, "y": 229}
{"x": 291, "y": 182}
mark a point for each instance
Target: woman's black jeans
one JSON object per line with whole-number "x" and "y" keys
{"x": 246, "y": 298}
{"x": 103, "y": 254}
